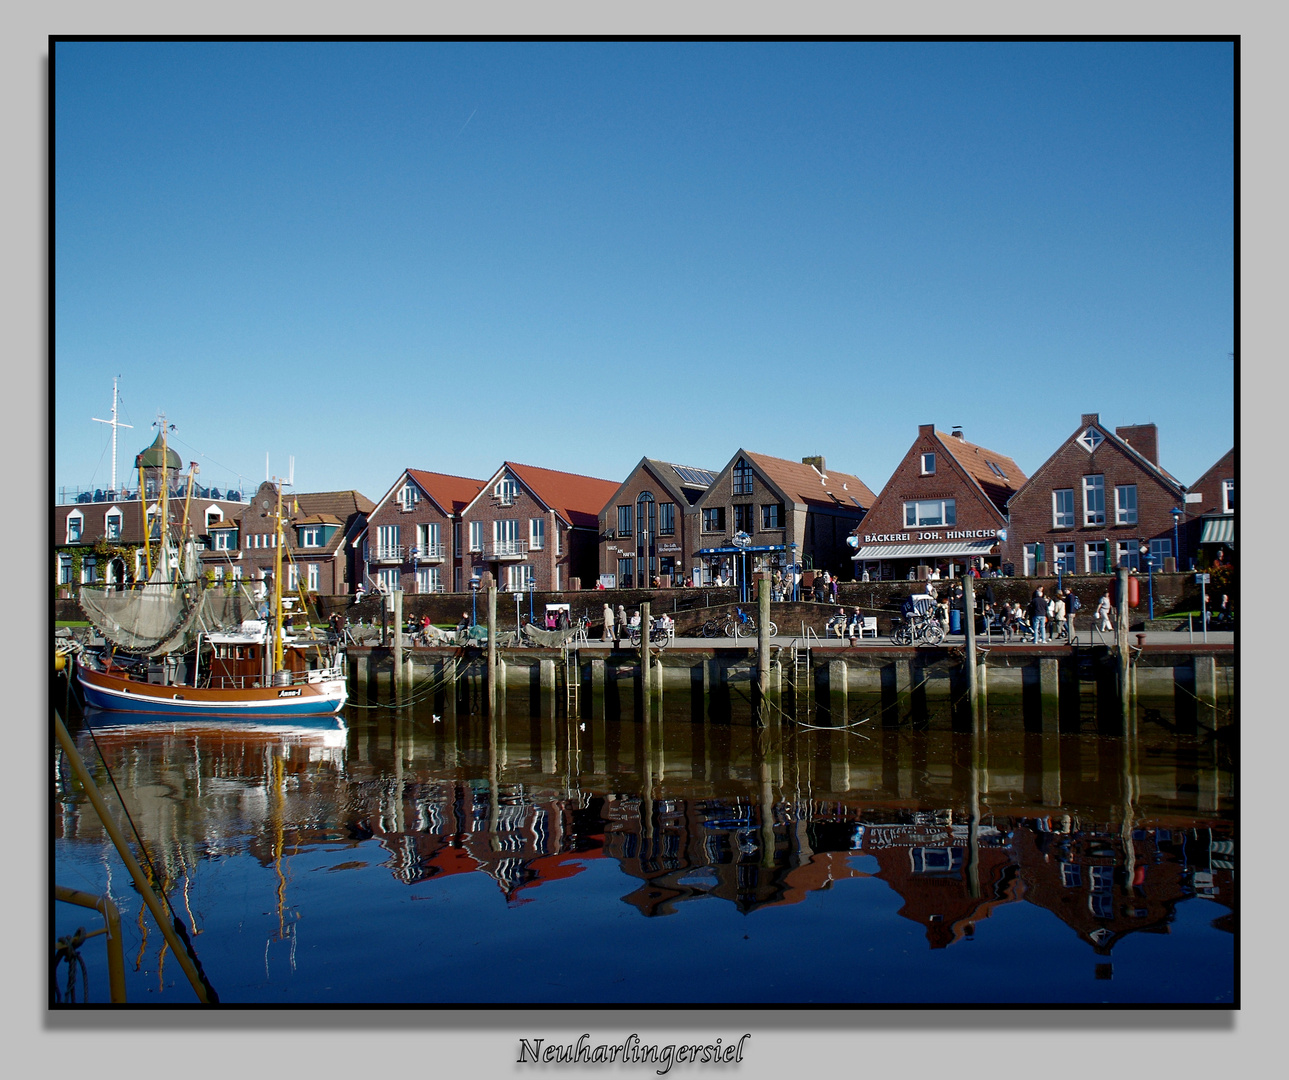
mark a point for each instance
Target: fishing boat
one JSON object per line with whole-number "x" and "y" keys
{"x": 179, "y": 648}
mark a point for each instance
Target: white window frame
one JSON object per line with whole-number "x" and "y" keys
{"x": 63, "y": 569}
{"x": 223, "y": 539}
{"x": 429, "y": 579}
{"x": 292, "y": 576}
{"x": 476, "y": 536}
{"x": 536, "y": 534}
{"x": 1125, "y": 504}
{"x": 1228, "y": 496}
{"x": 519, "y": 577}
{"x": 78, "y": 519}
{"x": 213, "y": 514}
{"x": 946, "y": 518}
{"x": 388, "y": 544}
{"x": 507, "y": 490}
{"x": 1093, "y": 494}
{"x": 89, "y": 569}
{"x": 1127, "y": 553}
{"x": 1090, "y": 439}
{"x": 1029, "y": 560}
{"x": 1091, "y": 555}
{"x": 390, "y": 578}
{"x": 1063, "y": 517}
{"x": 310, "y": 536}
{"x": 408, "y": 497}
{"x": 928, "y": 463}
{"x": 311, "y": 576}
{"x": 113, "y": 515}
{"x": 559, "y": 539}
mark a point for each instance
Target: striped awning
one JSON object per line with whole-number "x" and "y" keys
{"x": 1218, "y": 531}
{"x": 958, "y": 549}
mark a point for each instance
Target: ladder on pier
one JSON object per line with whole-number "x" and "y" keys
{"x": 572, "y": 681}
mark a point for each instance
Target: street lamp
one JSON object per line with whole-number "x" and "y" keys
{"x": 1150, "y": 569}
{"x": 1177, "y": 551}
{"x": 792, "y": 568}
{"x": 474, "y": 601}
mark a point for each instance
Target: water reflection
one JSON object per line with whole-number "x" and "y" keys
{"x": 1109, "y": 835}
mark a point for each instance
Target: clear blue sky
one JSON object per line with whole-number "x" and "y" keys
{"x": 375, "y": 256}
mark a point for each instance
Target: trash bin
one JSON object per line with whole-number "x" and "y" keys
{"x": 955, "y": 621}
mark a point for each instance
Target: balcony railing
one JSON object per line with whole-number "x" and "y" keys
{"x": 388, "y": 553}
{"x": 506, "y": 549}
{"x": 429, "y": 554}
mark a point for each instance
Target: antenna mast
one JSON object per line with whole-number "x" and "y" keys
{"x": 115, "y": 423}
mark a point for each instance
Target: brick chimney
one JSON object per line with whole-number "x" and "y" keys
{"x": 1144, "y": 438}
{"x": 926, "y": 429}
{"x": 817, "y": 460}
{"x": 1089, "y": 419}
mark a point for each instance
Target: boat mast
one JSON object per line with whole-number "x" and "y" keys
{"x": 278, "y": 541}
{"x": 115, "y": 423}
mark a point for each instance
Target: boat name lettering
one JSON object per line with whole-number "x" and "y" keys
{"x": 289, "y": 693}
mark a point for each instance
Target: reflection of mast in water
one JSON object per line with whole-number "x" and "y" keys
{"x": 277, "y": 805}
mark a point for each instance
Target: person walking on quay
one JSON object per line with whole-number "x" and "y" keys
{"x": 1038, "y": 615}
{"x": 832, "y": 589}
{"x": 1072, "y": 605}
{"x": 608, "y": 623}
{"x": 620, "y": 626}
{"x": 1103, "y": 612}
{"x": 1059, "y": 626}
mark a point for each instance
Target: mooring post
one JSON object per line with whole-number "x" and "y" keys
{"x": 397, "y": 678}
{"x": 492, "y": 649}
{"x": 969, "y": 614}
{"x": 763, "y": 636}
{"x": 1121, "y": 647}
{"x": 645, "y": 673}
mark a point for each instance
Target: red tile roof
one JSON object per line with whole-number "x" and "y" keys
{"x": 578, "y": 499}
{"x": 805, "y": 484}
{"x": 452, "y": 493}
{"x": 975, "y": 461}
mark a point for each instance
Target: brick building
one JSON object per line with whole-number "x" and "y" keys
{"x": 413, "y": 538}
{"x": 653, "y": 510}
{"x": 534, "y": 528}
{"x": 789, "y": 512}
{"x": 943, "y": 509}
{"x": 99, "y": 536}
{"x": 319, "y": 528}
{"x": 1092, "y": 505}
{"x": 1210, "y": 512}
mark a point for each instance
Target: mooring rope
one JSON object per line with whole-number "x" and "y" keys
{"x": 68, "y": 948}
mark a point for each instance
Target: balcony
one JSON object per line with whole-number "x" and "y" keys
{"x": 390, "y": 554}
{"x": 504, "y": 550}
{"x": 431, "y": 553}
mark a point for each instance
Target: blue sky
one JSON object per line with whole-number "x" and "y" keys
{"x": 439, "y": 255}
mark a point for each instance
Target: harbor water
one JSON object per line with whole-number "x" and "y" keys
{"x": 430, "y": 854}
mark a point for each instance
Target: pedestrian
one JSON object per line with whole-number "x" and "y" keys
{"x": 832, "y": 589}
{"x": 563, "y": 618}
{"x": 620, "y": 626}
{"x": 1060, "y": 626}
{"x": 1072, "y": 605}
{"x": 1038, "y": 615}
{"x": 608, "y": 623}
{"x": 1103, "y": 612}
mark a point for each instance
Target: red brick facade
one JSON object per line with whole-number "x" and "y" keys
{"x": 1093, "y": 503}
{"x": 653, "y": 507}
{"x": 414, "y": 540}
{"x": 534, "y": 528}
{"x": 941, "y": 509}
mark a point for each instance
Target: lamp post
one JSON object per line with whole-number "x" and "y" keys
{"x": 1150, "y": 570}
{"x": 474, "y": 601}
{"x": 792, "y": 568}
{"x": 1177, "y": 551}
{"x": 518, "y": 629}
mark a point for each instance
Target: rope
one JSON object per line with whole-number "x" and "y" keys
{"x": 68, "y": 948}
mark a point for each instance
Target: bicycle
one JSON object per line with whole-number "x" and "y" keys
{"x": 658, "y": 634}
{"x": 918, "y": 630}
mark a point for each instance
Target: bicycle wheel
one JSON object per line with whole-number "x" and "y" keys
{"x": 634, "y": 636}
{"x": 774, "y": 630}
{"x": 902, "y": 635}
{"x": 933, "y": 634}
{"x": 731, "y": 628}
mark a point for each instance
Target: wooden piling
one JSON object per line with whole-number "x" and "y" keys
{"x": 492, "y": 649}
{"x": 763, "y": 636}
{"x": 396, "y": 679}
{"x": 1121, "y": 648}
{"x": 969, "y": 614}
{"x": 645, "y": 674}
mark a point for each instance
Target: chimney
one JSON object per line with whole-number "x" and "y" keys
{"x": 957, "y": 431}
{"x": 1144, "y": 438}
{"x": 926, "y": 429}
{"x": 817, "y": 460}
{"x": 1090, "y": 418}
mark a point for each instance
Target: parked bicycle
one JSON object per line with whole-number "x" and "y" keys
{"x": 659, "y": 632}
{"x": 735, "y": 624}
{"x": 918, "y": 629}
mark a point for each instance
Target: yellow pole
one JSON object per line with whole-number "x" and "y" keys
{"x": 131, "y": 864}
{"x": 143, "y": 501}
{"x": 277, "y": 587}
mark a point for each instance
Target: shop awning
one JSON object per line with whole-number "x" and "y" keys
{"x": 1218, "y": 531}
{"x": 953, "y": 550}
{"x": 737, "y": 550}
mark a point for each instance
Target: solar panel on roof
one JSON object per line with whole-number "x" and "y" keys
{"x": 694, "y": 476}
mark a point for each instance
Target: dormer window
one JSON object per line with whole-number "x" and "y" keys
{"x": 1090, "y": 439}
{"x": 311, "y": 536}
{"x": 112, "y": 525}
{"x": 75, "y": 525}
{"x": 409, "y": 496}
{"x": 507, "y": 491}
{"x": 928, "y": 464}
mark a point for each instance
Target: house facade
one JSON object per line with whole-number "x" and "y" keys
{"x": 108, "y": 537}
{"x": 779, "y": 513}
{"x": 534, "y": 529}
{"x": 318, "y": 528}
{"x": 413, "y": 538}
{"x": 942, "y": 511}
{"x": 649, "y": 528}
{"x": 1095, "y": 503}
{"x": 1210, "y": 509}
